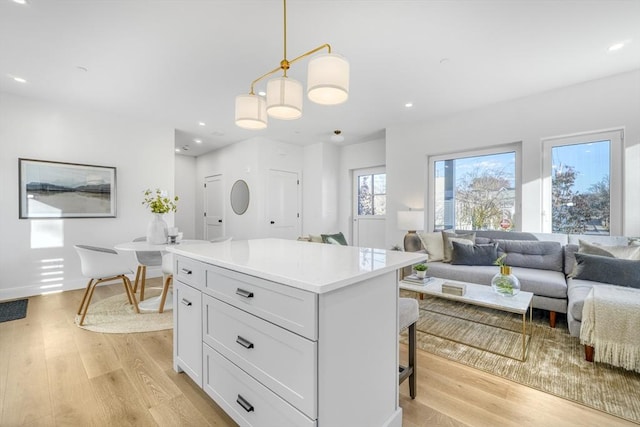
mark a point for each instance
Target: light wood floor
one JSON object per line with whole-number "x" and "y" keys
{"x": 53, "y": 373}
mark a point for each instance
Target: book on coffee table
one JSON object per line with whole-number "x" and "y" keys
{"x": 413, "y": 278}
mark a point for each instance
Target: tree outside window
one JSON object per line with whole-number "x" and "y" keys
{"x": 372, "y": 194}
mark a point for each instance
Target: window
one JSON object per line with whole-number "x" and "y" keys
{"x": 583, "y": 184}
{"x": 372, "y": 194}
{"x": 476, "y": 190}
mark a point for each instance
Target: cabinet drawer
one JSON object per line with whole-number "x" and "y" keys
{"x": 189, "y": 271}
{"x": 281, "y": 360}
{"x": 246, "y": 400}
{"x": 291, "y": 308}
{"x": 187, "y": 341}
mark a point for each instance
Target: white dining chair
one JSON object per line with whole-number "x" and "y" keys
{"x": 145, "y": 259}
{"x": 102, "y": 265}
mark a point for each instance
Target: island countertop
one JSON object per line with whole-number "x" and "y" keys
{"x": 314, "y": 267}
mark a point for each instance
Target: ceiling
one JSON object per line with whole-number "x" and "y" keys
{"x": 179, "y": 63}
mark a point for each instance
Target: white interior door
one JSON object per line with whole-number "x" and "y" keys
{"x": 213, "y": 207}
{"x": 283, "y": 201}
{"x": 369, "y": 207}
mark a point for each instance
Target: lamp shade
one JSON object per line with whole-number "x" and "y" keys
{"x": 251, "y": 111}
{"x": 328, "y": 79}
{"x": 284, "y": 98}
{"x": 410, "y": 220}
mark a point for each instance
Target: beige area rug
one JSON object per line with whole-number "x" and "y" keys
{"x": 555, "y": 361}
{"x": 114, "y": 315}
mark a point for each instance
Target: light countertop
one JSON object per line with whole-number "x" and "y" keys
{"x": 315, "y": 267}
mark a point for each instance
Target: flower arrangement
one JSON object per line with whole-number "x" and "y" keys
{"x": 159, "y": 202}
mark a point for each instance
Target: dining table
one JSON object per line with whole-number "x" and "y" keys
{"x": 153, "y": 303}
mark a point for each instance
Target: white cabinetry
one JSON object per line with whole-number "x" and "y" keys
{"x": 278, "y": 348}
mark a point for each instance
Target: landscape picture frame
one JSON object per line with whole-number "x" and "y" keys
{"x": 51, "y": 189}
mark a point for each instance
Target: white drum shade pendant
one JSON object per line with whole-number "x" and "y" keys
{"x": 284, "y": 98}
{"x": 251, "y": 111}
{"x": 328, "y": 79}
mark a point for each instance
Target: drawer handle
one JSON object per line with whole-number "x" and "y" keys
{"x": 186, "y": 271}
{"x": 244, "y": 342}
{"x": 186, "y": 302}
{"x": 245, "y": 405}
{"x": 243, "y": 293}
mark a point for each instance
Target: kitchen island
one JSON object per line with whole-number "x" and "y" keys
{"x": 282, "y": 332}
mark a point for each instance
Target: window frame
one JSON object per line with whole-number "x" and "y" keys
{"x": 381, "y": 170}
{"x": 616, "y": 174}
{"x": 515, "y": 147}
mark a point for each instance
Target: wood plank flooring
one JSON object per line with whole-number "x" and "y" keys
{"x": 53, "y": 373}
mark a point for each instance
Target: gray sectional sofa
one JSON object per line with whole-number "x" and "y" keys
{"x": 542, "y": 262}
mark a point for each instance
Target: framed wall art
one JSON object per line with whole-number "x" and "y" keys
{"x": 66, "y": 190}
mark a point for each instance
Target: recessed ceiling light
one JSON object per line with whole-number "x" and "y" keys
{"x": 20, "y": 1}
{"x": 197, "y": 141}
{"x": 409, "y": 104}
{"x": 202, "y": 124}
{"x": 617, "y": 46}
{"x": 19, "y": 79}
{"x": 177, "y": 150}
{"x": 262, "y": 93}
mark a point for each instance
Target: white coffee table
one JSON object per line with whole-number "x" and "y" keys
{"x": 483, "y": 296}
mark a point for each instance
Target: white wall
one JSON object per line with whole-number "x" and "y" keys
{"x": 186, "y": 186}
{"x": 320, "y": 189}
{"x": 142, "y": 153}
{"x": 612, "y": 102}
{"x": 249, "y": 160}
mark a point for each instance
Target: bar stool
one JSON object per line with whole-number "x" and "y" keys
{"x": 409, "y": 314}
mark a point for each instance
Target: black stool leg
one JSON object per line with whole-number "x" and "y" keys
{"x": 412, "y": 360}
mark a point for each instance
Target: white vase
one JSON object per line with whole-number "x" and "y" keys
{"x": 157, "y": 230}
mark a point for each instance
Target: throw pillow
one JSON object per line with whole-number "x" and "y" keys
{"x": 615, "y": 271}
{"x": 624, "y": 252}
{"x": 432, "y": 243}
{"x": 334, "y": 239}
{"x": 465, "y": 254}
{"x": 448, "y": 247}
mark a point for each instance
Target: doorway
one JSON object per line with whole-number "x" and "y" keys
{"x": 369, "y": 207}
{"x": 213, "y": 207}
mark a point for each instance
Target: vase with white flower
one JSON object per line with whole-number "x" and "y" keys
{"x": 159, "y": 203}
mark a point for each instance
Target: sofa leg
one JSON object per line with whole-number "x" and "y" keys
{"x": 588, "y": 353}
{"x": 552, "y": 319}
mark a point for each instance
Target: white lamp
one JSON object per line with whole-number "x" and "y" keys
{"x": 251, "y": 111}
{"x": 328, "y": 79}
{"x": 327, "y": 84}
{"x": 411, "y": 221}
{"x": 284, "y": 98}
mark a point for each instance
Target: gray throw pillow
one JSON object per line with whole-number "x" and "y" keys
{"x": 615, "y": 271}
{"x": 448, "y": 247}
{"x": 474, "y": 254}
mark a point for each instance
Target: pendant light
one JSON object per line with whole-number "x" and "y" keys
{"x": 327, "y": 84}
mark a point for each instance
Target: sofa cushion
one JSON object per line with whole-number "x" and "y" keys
{"x": 577, "y": 291}
{"x": 448, "y": 247}
{"x": 334, "y": 239}
{"x": 570, "y": 258}
{"x": 540, "y": 255}
{"x": 615, "y": 271}
{"x": 432, "y": 243}
{"x": 464, "y": 254}
{"x": 546, "y": 283}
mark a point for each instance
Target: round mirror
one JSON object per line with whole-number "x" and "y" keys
{"x": 240, "y": 197}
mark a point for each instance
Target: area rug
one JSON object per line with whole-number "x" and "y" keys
{"x": 555, "y": 361}
{"x": 114, "y": 315}
{"x": 13, "y": 310}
